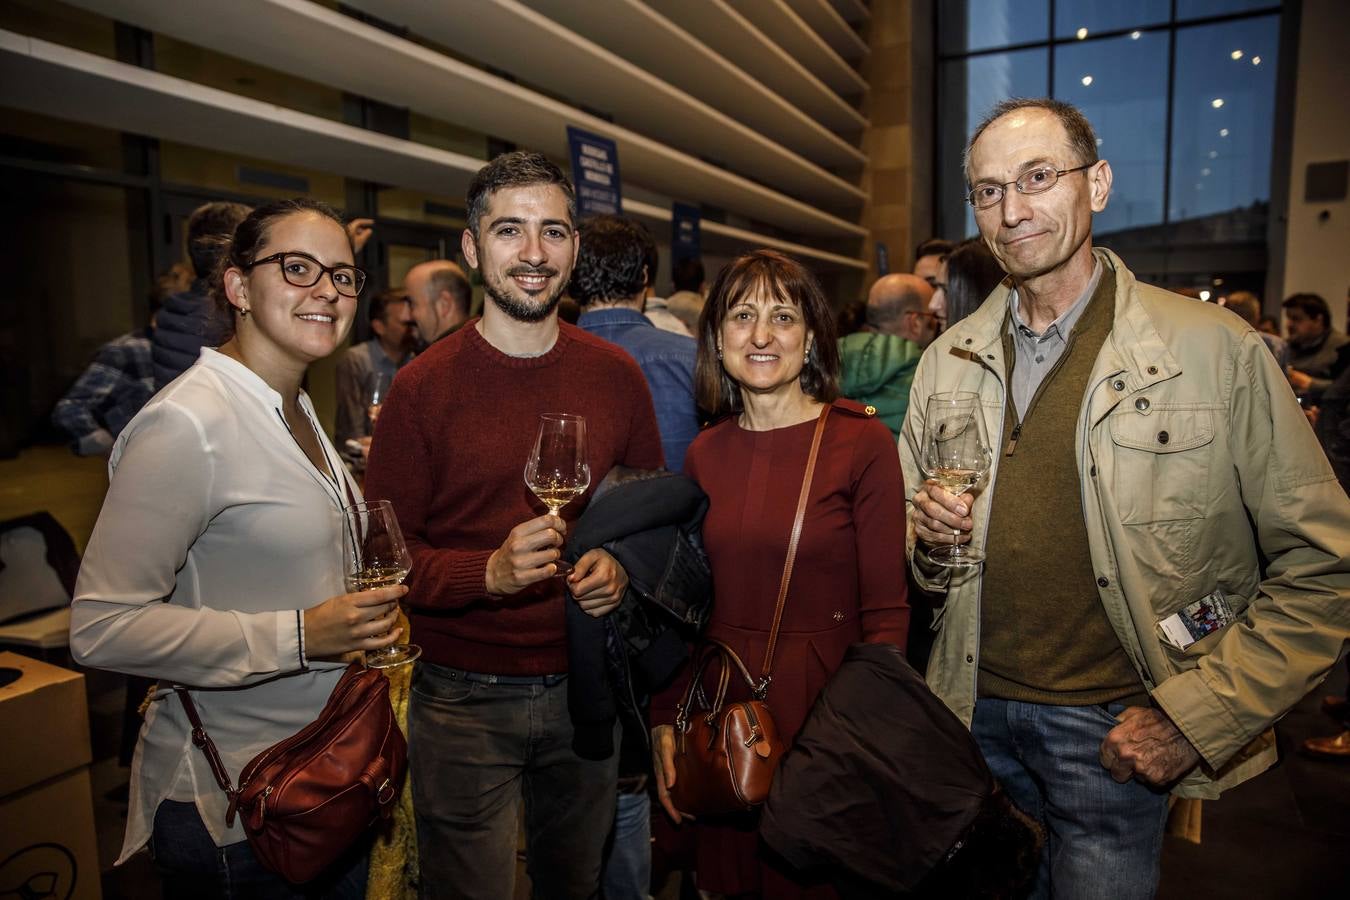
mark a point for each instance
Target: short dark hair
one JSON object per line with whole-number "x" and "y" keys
{"x": 1311, "y": 305}
{"x": 616, "y": 260}
{"x": 205, "y": 227}
{"x": 250, "y": 236}
{"x": 1245, "y": 305}
{"x": 781, "y": 275}
{"x": 686, "y": 274}
{"x": 972, "y": 274}
{"x": 1082, "y": 138}
{"x": 519, "y": 168}
{"x": 452, "y": 280}
{"x": 938, "y": 247}
{"x": 379, "y": 304}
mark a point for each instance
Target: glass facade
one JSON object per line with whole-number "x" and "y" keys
{"x": 1182, "y": 108}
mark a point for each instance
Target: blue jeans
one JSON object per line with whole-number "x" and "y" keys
{"x": 477, "y": 751}
{"x": 628, "y": 868}
{"x": 1103, "y": 838}
{"x": 192, "y": 867}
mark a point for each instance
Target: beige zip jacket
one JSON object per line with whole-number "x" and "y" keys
{"x": 1196, "y": 464}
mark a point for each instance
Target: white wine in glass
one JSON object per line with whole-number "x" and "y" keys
{"x": 374, "y": 555}
{"x": 377, "y": 388}
{"x": 558, "y": 470}
{"x": 955, "y": 455}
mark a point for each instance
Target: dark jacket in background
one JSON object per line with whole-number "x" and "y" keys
{"x": 186, "y": 323}
{"x": 883, "y": 780}
{"x": 650, "y": 521}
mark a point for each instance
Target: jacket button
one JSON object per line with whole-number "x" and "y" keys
{"x": 1153, "y": 370}
{"x": 1118, "y": 385}
{"x": 1141, "y": 404}
{"x": 1103, "y": 582}
{"x": 838, "y": 616}
{"x": 870, "y": 410}
{"x": 969, "y": 658}
{"x": 968, "y": 341}
{"x": 1163, "y": 437}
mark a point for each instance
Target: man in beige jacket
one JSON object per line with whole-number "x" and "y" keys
{"x": 1166, "y": 546}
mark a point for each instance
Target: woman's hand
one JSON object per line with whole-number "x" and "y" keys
{"x": 663, "y": 769}
{"x": 360, "y": 621}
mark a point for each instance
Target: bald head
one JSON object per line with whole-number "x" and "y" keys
{"x": 439, "y": 294}
{"x": 898, "y": 305}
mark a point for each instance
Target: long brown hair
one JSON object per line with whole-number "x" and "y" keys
{"x": 770, "y": 272}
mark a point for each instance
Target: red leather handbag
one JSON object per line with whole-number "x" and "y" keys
{"x": 725, "y": 756}
{"x": 305, "y": 801}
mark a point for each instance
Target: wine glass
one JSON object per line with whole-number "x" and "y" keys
{"x": 375, "y": 556}
{"x": 377, "y": 388}
{"x": 557, "y": 470}
{"x": 955, "y": 455}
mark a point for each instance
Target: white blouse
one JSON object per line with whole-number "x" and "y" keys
{"x": 216, "y": 532}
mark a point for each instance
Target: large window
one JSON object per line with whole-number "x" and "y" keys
{"x": 1181, "y": 93}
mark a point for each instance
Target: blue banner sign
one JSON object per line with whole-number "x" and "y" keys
{"x": 685, "y": 234}
{"x": 595, "y": 173}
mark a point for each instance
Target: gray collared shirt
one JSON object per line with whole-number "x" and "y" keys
{"x": 1038, "y": 353}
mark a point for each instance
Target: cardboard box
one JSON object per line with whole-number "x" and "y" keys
{"x": 47, "y": 842}
{"x": 44, "y": 721}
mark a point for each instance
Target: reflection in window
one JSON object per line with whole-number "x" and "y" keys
{"x": 1084, "y": 18}
{"x": 1120, "y": 84}
{"x": 969, "y": 88}
{"x": 966, "y": 25}
{"x": 1195, "y": 9}
{"x": 1223, "y": 104}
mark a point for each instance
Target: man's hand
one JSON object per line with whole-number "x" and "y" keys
{"x": 1148, "y": 747}
{"x": 360, "y": 230}
{"x": 940, "y": 516}
{"x": 598, "y": 582}
{"x": 526, "y": 556}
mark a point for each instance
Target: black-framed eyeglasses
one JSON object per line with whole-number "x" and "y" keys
{"x": 302, "y": 270}
{"x": 1032, "y": 181}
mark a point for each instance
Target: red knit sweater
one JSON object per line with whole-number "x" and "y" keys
{"x": 450, "y": 451}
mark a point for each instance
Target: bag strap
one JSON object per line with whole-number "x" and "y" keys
{"x": 766, "y": 674}
{"x": 208, "y": 747}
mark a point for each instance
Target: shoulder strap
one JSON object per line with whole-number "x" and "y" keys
{"x": 208, "y": 747}
{"x": 766, "y": 673}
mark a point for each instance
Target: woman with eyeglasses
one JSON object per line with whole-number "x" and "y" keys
{"x": 216, "y": 560}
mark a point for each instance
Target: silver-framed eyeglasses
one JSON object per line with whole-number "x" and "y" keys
{"x": 1033, "y": 181}
{"x": 302, "y": 270}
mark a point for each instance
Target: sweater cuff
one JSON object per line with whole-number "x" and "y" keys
{"x": 1201, "y": 716}
{"x": 468, "y": 577}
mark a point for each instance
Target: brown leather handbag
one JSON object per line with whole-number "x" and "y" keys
{"x": 725, "y": 755}
{"x": 305, "y": 801}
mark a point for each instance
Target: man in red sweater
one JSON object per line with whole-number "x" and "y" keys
{"x": 488, "y": 721}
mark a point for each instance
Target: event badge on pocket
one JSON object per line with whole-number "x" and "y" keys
{"x": 1203, "y": 617}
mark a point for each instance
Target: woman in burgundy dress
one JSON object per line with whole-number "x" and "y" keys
{"x": 767, "y": 362}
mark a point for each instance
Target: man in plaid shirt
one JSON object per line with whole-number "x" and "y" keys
{"x": 104, "y": 398}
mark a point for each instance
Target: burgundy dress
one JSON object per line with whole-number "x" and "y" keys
{"x": 848, "y": 585}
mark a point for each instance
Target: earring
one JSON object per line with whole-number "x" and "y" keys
{"x": 719, "y": 352}
{"x": 243, "y": 312}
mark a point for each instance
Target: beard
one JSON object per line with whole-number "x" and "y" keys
{"x": 524, "y": 309}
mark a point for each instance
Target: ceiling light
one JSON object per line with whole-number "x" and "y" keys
{"x": 1204, "y": 173}
{"x": 1236, "y": 54}
{"x": 1256, "y": 60}
{"x": 1217, "y": 102}
{"x": 1223, "y": 132}
{"x": 1082, "y": 33}
{"x": 1214, "y": 154}
{"x": 1205, "y": 295}
{"x": 1087, "y": 80}
{"x": 1134, "y": 35}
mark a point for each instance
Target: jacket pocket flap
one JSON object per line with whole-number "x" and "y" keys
{"x": 1164, "y": 431}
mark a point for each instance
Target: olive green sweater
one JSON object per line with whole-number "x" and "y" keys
{"x": 1044, "y": 636}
